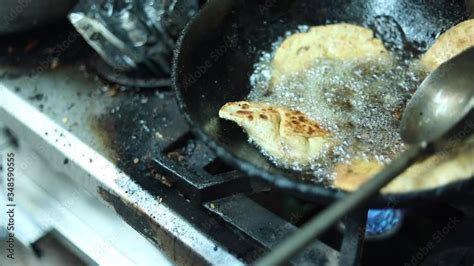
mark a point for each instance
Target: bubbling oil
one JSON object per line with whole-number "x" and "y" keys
{"x": 359, "y": 101}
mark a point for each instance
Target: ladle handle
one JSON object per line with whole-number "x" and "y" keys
{"x": 320, "y": 223}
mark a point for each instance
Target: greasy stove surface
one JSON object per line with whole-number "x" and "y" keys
{"x": 172, "y": 188}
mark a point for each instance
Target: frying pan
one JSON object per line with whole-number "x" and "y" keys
{"x": 217, "y": 51}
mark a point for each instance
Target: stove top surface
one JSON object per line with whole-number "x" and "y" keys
{"x": 132, "y": 149}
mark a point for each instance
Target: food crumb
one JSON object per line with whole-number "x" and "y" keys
{"x": 165, "y": 181}
{"x": 136, "y": 160}
{"x": 158, "y": 135}
{"x": 55, "y": 63}
{"x": 30, "y": 45}
{"x": 114, "y": 90}
{"x": 65, "y": 120}
{"x": 212, "y": 205}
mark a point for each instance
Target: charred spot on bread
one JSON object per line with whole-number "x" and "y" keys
{"x": 243, "y": 112}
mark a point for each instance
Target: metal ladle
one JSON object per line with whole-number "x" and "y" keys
{"x": 442, "y": 101}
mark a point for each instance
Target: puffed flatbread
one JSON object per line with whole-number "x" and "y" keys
{"x": 290, "y": 137}
{"x": 438, "y": 170}
{"x": 278, "y": 131}
{"x": 452, "y": 165}
{"x": 336, "y": 41}
{"x": 449, "y": 44}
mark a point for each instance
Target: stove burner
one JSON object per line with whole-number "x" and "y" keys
{"x": 382, "y": 223}
{"x": 133, "y": 78}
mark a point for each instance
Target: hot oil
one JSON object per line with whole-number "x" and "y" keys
{"x": 359, "y": 101}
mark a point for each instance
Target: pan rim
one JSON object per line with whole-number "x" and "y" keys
{"x": 300, "y": 188}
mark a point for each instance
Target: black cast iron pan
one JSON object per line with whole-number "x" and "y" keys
{"x": 217, "y": 50}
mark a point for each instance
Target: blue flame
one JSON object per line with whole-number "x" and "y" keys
{"x": 382, "y": 222}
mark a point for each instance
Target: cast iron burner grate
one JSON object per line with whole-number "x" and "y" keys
{"x": 153, "y": 144}
{"x": 184, "y": 164}
{"x": 227, "y": 200}
{"x": 206, "y": 180}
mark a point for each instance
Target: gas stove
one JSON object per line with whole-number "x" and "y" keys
{"x": 85, "y": 143}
